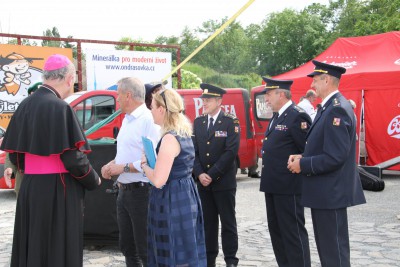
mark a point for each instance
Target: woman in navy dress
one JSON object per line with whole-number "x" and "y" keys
{"x": 175, "y": 220}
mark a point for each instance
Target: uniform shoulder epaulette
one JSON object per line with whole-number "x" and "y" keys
{"x": 201, "y": 116}
{"x": 229, "y": 115}
{"x": 336, "y": 102}
{"x": 232, "y": 117}
{"x": 299, "y": 109}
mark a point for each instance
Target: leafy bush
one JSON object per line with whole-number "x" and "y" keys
{"x": 194, "y": 74}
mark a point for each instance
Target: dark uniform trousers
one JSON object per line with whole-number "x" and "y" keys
{"x": 289, "y": 237}
{"x": 220, "y": 203}
{"x": 216, "y": 150}
{"x": 332, "y": 256}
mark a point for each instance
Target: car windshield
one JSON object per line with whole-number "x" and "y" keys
{"x": 72, "y": 97}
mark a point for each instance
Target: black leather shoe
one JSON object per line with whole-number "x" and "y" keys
{"x": 231, "y": 265}
{"x": 254, "y": 175}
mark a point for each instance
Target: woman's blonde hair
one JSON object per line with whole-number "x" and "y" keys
{"x": 174, "y": 119}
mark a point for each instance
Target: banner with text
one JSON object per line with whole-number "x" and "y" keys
{"x": 382, "y": 126}
{"x": 20, "y": 67}
{"x": 104, "y": 68}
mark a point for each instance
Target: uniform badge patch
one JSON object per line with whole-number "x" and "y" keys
{"x": 336, "y": 121}
{"x": 336, "y": 102}
{"x": 281, "y": 127}
{"x": 303, "y": 125}
{"x": 221, "y": 133}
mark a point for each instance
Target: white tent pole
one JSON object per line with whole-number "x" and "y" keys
{"x": 362, "y": 129}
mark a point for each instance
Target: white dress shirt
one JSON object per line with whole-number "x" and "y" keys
{"x": 328, "y": 97}
{"x": 281, "y": 110}
{"x": 214, "y": 118}
{"x": 129, "y": 142}
{"x": 284, "y": 107}
{"x": 308, "y": 107}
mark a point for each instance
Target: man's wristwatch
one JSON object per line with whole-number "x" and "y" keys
{"x": 126, "y": 168}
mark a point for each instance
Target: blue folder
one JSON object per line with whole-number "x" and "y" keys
{"x": 149, "y": 151}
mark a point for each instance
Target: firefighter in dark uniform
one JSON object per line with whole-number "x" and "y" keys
{"x": 331, "y": 181}
{"x": 216, "y": 138}
{"x": 286, "y": 135}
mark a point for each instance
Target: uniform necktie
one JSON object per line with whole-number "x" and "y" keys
{"x": 319, "y": 110}
{"x": 273, "y": 120}
{"x": 210, "y": 125}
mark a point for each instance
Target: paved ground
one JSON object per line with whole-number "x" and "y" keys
{"x": 374, "y": 230}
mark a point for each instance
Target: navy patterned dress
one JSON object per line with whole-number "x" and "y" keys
{"x": 175, "y": 219}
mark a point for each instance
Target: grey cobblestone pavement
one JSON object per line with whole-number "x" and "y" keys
{"x": 374, "y": 230}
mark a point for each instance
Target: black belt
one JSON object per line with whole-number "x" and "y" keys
{"x": 132, "y": 186}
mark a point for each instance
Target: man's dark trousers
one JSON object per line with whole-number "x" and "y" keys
{"x": 220, "y": 203}
{"x": 338, "y": 234}
{"x": 289, "y": 236}
{"x": 132, "y": 208}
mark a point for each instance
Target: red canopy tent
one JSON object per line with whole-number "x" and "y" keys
{"x": 372, "y": 80}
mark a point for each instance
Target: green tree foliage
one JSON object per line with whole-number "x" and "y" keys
{"x": 53, "y": 32}
{"x": 209, "y": 56}
{"x": 171, "y": 40}
{"x": 238, "y": 56}
{"x": 228, "y": 52}
{"x": 289, "y": 39}
{"x": 26, "y": 42}
{"x": 224, "y": 80}
{"x": 188, "y": 42}
{"x": 324, "y": 13}
{"x": 135, "y": 48}
{"x": 189, "y": 80}
{"x": 347, "y": 14}
{"x": 359, "y": 18}
{"x": 72, "y": 46}
{"x": 254, "y": 46}
{"x": 379, "y": 16}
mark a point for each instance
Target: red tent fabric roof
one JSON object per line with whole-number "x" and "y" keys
{"x": 372, "y": 63}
